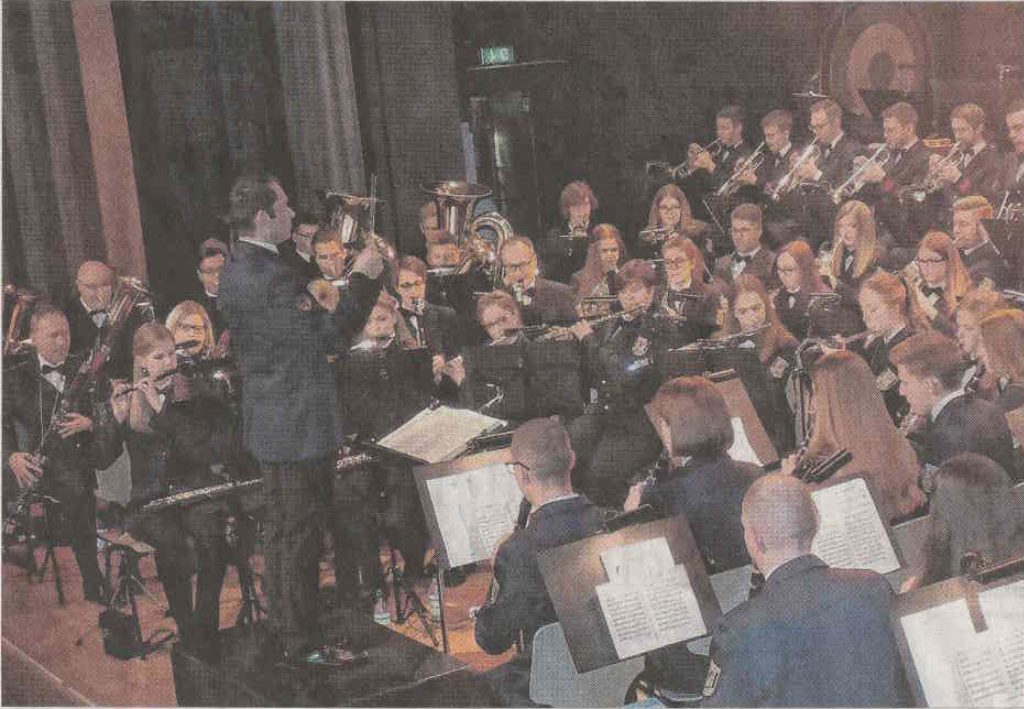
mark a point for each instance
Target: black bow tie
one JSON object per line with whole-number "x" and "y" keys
{"x": 50, "y": 369}
{"x": 738, "y": 257}
{"x": 932, "y": 290}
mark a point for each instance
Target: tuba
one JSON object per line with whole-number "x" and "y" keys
{"x": 479, "y": 239}
{"x": 353, "y": 216}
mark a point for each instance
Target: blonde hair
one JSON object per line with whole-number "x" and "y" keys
{"x": 849, "y": 413}
{"x": 867, "y": 239}
{"x": 188, "y": 308}
{"x": 147, "y": 338}
{"x": 1002, "y": 333}
{"x": 958, "y": 280}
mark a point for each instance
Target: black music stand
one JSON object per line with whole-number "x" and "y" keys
{"x": 573, "y": 571}
{"x": 935, "y": 624}
{"x": 684, "y": 362}
{"x": 1008, "y": 238}
{"x": 739, "y": 404}
{"x": 553, "y": 378}
{"x": 494, "y": 370}
{"x": 482, "y": 541}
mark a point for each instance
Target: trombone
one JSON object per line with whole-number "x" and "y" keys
{"x": 789, "y": 181}
{"x": 752, "y": 163}
{"x": 854, "y": 182}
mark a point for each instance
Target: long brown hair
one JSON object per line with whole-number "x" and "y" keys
{"x": 810, "y": 277}
{"x": 849, "y": 413}
{"x": 958, "y": 280}
{"x": 688, "y": 226}
{"x": 866, "y": 255}
{"x": 892, "y": 291}
{"x": 586, "y": 279}
{"x": 772, "y": 339}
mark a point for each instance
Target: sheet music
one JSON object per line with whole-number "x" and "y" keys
{"x": 959, "y": 667}
{"x": 475, "y": 510}
{"x": 851, "y": 534}
{"x": 436, "y": 435}
{"x": 639, "y": 562}
{"x": 645, "y": 616}
{"x": 741, "y": 449}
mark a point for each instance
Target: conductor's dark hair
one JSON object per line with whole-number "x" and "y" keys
{"x": 249, "y": 195}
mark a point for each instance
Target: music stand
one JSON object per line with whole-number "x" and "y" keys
{"x": 737, "y": 401}
{"x": 553, "y": 376}
{"x": 496, "y": 369}
{"x": 955, "y": 639}
{"x": 681, "y": 362}
{"x": 573, "y": 572}
{"x": 1008, "y": 238}
{"x": 465, "y": 527}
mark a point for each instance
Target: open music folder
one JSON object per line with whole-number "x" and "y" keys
{"x": 439, "y": 433}
{"x": 851, "y": 532}
{"x": 962, "y": 643}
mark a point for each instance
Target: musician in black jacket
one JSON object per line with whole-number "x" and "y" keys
{"x": 614, "y": 439}
{"x": 685, "y": 307}
{"x": 172, "y": 445}
{"x": 930, "y": 368}
{"x": 984, "y": 263}
{"x": 564, "y": 249}
{"x": 750, "y": 256}
{"x": 435, "y": 327}
{"x": 710, "y": 172}
{"x": 32, "y": 394}
{"x": 979, "y": 170}
{"x": 518, "y": 603}
{"x": 542, "y": 300}
{"x": 89, "y": 317}
{"x": 213, "y": 254}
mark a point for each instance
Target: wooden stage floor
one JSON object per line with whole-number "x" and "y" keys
{"x": 53, "y": 655}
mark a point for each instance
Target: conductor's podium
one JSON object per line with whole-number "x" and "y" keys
{"x": 399, "y": 672}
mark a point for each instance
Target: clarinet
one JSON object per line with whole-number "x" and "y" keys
{"x": 813, "y": 472}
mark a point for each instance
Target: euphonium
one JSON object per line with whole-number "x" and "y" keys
{"x": 454, "y": 200}
{"x": 353, "y": 216}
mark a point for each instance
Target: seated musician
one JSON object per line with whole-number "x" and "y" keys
{"x": 518, "y": 603}
{"x": 171, "y": 447}
{"x": 331, "y": 256}
{"x": 979, "y": 171}
{"x": 704, "y": 484}
{"x": 975, "y": 511}
{"x": 751, "y": 311}
{"x": 890, "y": 318}
{"x": 813, "y": 636}
{"x": 89, "y": 317}
{"x": 800, "y": 277}
{"x": 1013, "y": 173}
{"x": 213, "y": 254}
{"x": 1002, "y": 352}
{"x": 857, "y": 255}
{"x": 948, "y": 420}
{"x": 685, "y": 306}
{"x": 31, "y": 393}
{"x": 605, "y": 254}
{"x": 614, "y": 438}
{"x": 670, "y": 215}
{"x": 560, "y": 256}
{"x": 358, "y": 279}
{"x": 729, "y": 134}
{"x": 541, "y": 300}
{"x": 749, "y": 256}
{"x": 941, "y": 282}
{"x": 780, "y": 223}
{"x": 974, "y": 307}
{"x": 298, "y": 250}
{"x": 192, "y": 330}
{"x": 908, "y": 156}
{"x": 452, "y": 281}
{"x": 985, "y": 265}
{"x": 499, "y": 315}
{"x": 435, "y": 327}
{"x": 848, "y": 412}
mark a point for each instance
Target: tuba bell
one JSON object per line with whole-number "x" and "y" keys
{"x": 353, "y": 216}
{"x": 479, "y": 239}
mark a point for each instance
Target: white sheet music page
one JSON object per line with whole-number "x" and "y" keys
{"x": 741, "y": 449}
{"x": 440, "y": 434}
{"x": 959, "y": 667}
{"x": 648, "y": 602}
{"x": 475, "y": 510}
{"x": 852, "y": 534}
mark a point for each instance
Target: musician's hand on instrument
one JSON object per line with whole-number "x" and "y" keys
{"x": 910, "y": 584}
{"x": 456, "y": 370}
{"x": 581, "y": 330}
{"x": 437, "y": 365}
{"x": 808, "y": 171}
{"x": 633, "y": 498}
{"x": 120, "y": 399}
{"x": 747, "y": 177}
{"x": 369, "y": 262}
{"x": 788, "y": 464}
{"x": 26, "y": 468}
{"x": 560, "y": 333}
{"x": 873, "y": 173}
{"x": 147, "y": 387}
{"x": 73, "y": 424}
{"x": 703, "y": 160}
{"x": 326, "y": 294}
{"x": 949, "y": 173}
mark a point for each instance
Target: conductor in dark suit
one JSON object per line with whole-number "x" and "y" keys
{"x": 541, "y": 300}
{"x": 518, "y": 603}
{"x": 281, "y": 337}
{"x": 813, "y": 636}
{"x": 749, "y": 256}
{"x": 930, "y": 370}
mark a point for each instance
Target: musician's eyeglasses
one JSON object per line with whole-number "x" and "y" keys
{"x": 787, "y": 271}
{"x": 517, "y": 266}
{"x": 929, "y": 261}
{"x": 503, "y": 320}
{"x": 210, "y": 271}
{"x": 820, "y": 125}
{"x": 191, "y": 328}
{"x": 522, "y": 465}
{"x": 409, "y": 285}
{"x": 676, "y": 262}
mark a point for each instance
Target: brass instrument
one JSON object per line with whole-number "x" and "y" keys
{"x": 714, "y": 149}
{"x": 454, "y": 201}
{"x": 654, "y": 234}
{"x": 853, "y": 183}
{"x": 23, "y": 301}
{"x": 750, "y": 163}
{"x": 789, "y": 180}
{"x": 932, "y": 182}
{"x": 355, "y": 217}
{"x": 1011, "y": 209}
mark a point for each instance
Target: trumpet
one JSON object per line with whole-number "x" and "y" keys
{"x": 789, "y": 180}
{"x": 750, "y": 163}
{"x": 714, "y": 149}
{"x": 854, "y": 182}
{"x": 932, "y": 181}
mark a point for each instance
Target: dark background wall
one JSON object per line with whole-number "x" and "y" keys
{"x": 214, "y": 89}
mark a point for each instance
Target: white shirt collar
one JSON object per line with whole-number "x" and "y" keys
{"x": 888, "y": 338}
{"x": 786, "y": 149}
{"x": 832, "y": 145}
{"x": 305, "y": 257}
{"x": 261, "y": 244}
{"x": 750, "y": 254}
{"x": 941, "y": 403}
{"x": 570, "y": 496}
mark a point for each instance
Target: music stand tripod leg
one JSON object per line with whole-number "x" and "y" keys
{"x": 441, "y": 614}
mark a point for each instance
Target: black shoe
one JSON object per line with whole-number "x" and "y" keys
{"x": 334, "y": 655}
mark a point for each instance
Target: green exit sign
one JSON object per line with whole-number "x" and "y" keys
{"x": 496, "y": 55}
